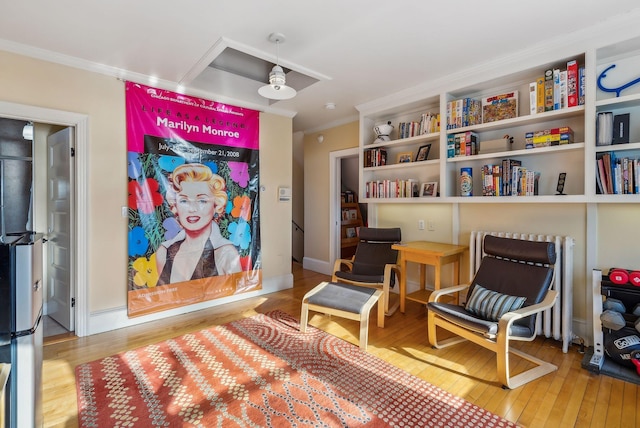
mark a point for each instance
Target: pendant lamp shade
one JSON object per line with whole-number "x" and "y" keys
{"x": 277, "y": 88}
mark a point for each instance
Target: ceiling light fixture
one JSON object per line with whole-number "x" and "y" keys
{"x": 277, "y": 88}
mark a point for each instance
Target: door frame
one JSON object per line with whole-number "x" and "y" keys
{"x": 80, "y": 123}
{"x": 335, "y": 178}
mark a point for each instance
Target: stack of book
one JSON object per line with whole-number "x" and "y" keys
{"x": 429, "y": 123}
{"x": 509, "y": 178}
{"x": 409, "y": 129}
{"x": 463, "y": 144}
{"x": 463, "y": 112}
{"x": 399, "y": 188}
{"x": 618, "y": 176}
{"x": 548, "y": 137}
{"x": 375, "y": 157}
{"x": 558, "y": 88}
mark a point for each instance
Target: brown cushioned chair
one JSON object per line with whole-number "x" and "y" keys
{"x": 374, "y": 264}
{"x": 509, "y": 289}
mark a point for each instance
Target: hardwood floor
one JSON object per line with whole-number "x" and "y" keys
{"x": 570, "y": 397}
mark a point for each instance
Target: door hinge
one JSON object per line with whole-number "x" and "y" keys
{"x": 73, "y": 302}
{"x": 73, "y": 152}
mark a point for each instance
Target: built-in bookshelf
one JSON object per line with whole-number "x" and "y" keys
{"x": 461, "y": 113}
{"x": 508, "y": 113}
{"x": 409, "y": 161}
{"x": 350, "y": 224}
{"x": 564, "y": 166}
{"x": 617, "y": 158}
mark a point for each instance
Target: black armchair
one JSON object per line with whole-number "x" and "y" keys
{"x": 374, "y": 264}
{"x": 509, "y": 289}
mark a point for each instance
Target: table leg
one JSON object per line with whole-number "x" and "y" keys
{"x": 456, "y": 277}
{"x": 403, "y": 281}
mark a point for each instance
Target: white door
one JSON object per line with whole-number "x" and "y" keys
{"x": 60, "y": 230}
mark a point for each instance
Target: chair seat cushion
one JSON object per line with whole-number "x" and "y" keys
{"x": 459, "y": 315}
{"x": 344, "y": 297}
{"x": 491, "y": 305}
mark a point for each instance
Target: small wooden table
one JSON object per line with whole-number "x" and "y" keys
{"x": 426, "y": 253}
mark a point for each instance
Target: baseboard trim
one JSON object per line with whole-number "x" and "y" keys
{"x": 113, "y": 319}
{"x": 316, "y": 265}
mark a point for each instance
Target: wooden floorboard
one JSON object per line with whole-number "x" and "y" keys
{"x": 570, "y": 397}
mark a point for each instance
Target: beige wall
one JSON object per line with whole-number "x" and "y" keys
{"x": 37, "y": 83}
{"x": 618, "y": 236}
{"x": 316, "y": 186}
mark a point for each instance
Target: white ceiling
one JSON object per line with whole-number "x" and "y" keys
{"x": 360, "y": 50}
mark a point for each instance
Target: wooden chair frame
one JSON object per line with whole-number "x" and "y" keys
{"x": 385, "y": 286}
{"x": 498, "y": 343}
{"x": 363, "y": 316}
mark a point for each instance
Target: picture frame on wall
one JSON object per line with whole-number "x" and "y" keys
{"x": 423, "y": 153}
{"x": 429, "y": 189}
{"x": 405, "y": 157}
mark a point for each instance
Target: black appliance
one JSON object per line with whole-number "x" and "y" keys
{"x": 21, "y": 295}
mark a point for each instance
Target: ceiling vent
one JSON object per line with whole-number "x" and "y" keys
{"x": 234, "y": 72}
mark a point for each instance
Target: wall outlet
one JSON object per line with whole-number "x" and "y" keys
{"x": 420, "y": 224}
{"x": 431, "y": 225}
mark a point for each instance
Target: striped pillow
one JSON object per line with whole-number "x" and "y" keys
{"x": 491, "y": 305}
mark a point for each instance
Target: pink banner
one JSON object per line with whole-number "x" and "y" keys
{"x": 194, "y": 229}
{"x": 161, "y": 113}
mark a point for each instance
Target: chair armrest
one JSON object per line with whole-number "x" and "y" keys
{"x": 340, "y": 262}
{"x": 337, "y": 266}
{"x": 507, "y": 319}
{"x": 389, "y": 269}
{"x": 437, "y": 294}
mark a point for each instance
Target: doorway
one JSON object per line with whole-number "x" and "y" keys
{"x": 336, "y": 160}
{"x": 78, "y": 124}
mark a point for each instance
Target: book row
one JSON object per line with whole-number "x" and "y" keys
{"x": 463, "y": 112}
{"x": 557, "y": 89}
{"x": 469, "y": 144}
{"x": 469, "y": 111}
{"x": 548, "y": 137}
{"x": 399, "y": 188}
{"x": 509, "y": 178}
{"x": 429, "y": 123}
{"x": 375, "y": 157}
{"x": 463, "y": 144}
{"x": 617, "y": 176}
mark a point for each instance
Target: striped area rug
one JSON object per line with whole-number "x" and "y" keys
{"x": 262, "y": 372}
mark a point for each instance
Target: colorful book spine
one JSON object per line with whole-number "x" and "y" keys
{"x": 533, "y": 98}
{"x": 581, "y": 86}
{"x": 572, "y": 83}
{"x": 548, "y": 90}
{"x": 497, "y": 180}
{"x": 563, "y": 89}
{"x": 556, "y": 89}
{"x": 540, "y": 94}
{"x": 451, "y": 146}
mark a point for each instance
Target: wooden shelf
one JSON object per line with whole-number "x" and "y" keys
{"x": 349, "y": 225}
{"x": 420, "y": 296}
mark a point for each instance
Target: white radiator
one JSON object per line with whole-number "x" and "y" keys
{"x": 557, "y": 321}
